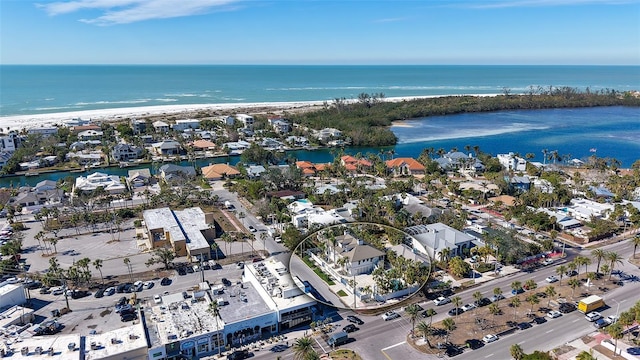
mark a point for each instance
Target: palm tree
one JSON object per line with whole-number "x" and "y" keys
{"x": 584, "y": 355}
{"x": 533, "y": 299}
{"x": 604, "y": 270}
{"x": 635, "y": 241}
{"x": 430, "y": 313}
{"x": 515, "y": 303}
{"x": 127, "y": 262}
{"x": 530, "y": 284}
{"x": 572, "y": 266}
{"x": 456, "y": 301}
{"x": 550, "y": 291}
{"x": 516, "y": 352}
{"x": 477, "y": 296}
{"x": 494, "y": 309}
{"x": 561, "y": 270}
{"x": 516, "y": 285}
{"x": 574, "y": 283}
{"x": 616, "y": 332}
{"x": 614, "y": 258}
{"x": 215, "y": 311}
{"x": 413, "y": 311}
{"x": 449, "y": 326}
{"x": 581, "y": 260}
{"x": 214, "y": 248}
{"x": 598, "y": 254}
{"x": 497, "y": 292}
{"x": 97, "y": 263}
{"x": 424, "y": 329}
{"x": 302, "y": 348}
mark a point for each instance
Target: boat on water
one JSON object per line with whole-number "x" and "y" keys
{"x": 31, "y": 174}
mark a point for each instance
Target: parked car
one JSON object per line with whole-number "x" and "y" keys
{"x": 390, "y": 315}
{"x": 355, "y": 320}
{"x": 551, "y": 279}
{"x": 455, "y": 311}
{"x": 425, "y": 313}
{"x": 128, "y": 317}
{"x": 468, "y": 307}
{"x": 165, "y": 282}
{"x": 517, "y": 291}
{"x": 571, "y": 273}
{"x": 350, "y": 328}
{"x": 157, "y": 299}
{"x": 99, "y": 293}
{"x": 483, "y": 302}
{"x": 420, "y": 308}
{"x": 489, "y": 338}
{"x": 189, "y": 269}
{"x": 239, "y": 265}
{"x": 442, "y": 300}
{"x": 45, "y": 290}
{"x": 600, "y": 323}
{"x": 566, "y": 308}
{"x": 110, "y": 291}
{"x": 182, "y": 271}
{"x": 226, "y": 282}
{"x": 554, "y": 314}
{"x": 57, "y": 291}
{"x": 252, "y": 229}
{"x": 238, "y": 355}
{"x": 495, "y": 298}
{"x": 524, "y": 325}
{"x": 593, "y": 316}
{"x": 148, "y": 285}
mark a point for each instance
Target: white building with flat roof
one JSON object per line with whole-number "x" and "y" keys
{"x": 110, "y": 183}
{"x": 186, "y": 231}
{"x": 123, "y": 343}
{"x": 512, "y": 162}
{"x": 584, "y": 209}
{"x": 182, "y": 125}
{"x": 11, "y": 294}
{"x": 246, "y": 120}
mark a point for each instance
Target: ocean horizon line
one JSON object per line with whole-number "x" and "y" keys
{"x": 333, "y": 65}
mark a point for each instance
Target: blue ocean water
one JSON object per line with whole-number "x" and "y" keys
{"x": 612, "y": 131}
{"x": 26, "y": 90}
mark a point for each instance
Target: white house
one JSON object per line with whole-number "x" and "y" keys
{"x": 110, "y": 183}
{"x": 246, "y": 120}
{"x": 512, "y": 162}
{"x": 186, "y": 124}
{"x": 227, "y": 120}
{"x": 432, "y": 239}
{"x": 584, "y": 209}
{"x": 125, "y": 152}
{"x": 90, "y": 135}
{"x": 160, "y": 126}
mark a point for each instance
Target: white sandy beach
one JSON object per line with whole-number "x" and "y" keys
{"x": 19, "y": 122}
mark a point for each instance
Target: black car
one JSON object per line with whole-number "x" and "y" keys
{"x": 189, "y": 269}
{"x": 33, "y": 285}
{"x": 182, "y": 271}
{"x": 425, "y": 313}
{"x": 566, "y": 308}
{"x": 420, "y": 308}
{"x": 238, "y": 355}
{"x": 455, "y": 311}
{"x": 524, "y": 325}
{"x": 129, "y": 316}
{"x": 121, "y": 301}
{"x": 45, "y": 290}
{"x": 539, "y": 320}
{"x": 165, "y": 282}
{"x": 571, "y": 273}
{"x": 77, "y": 294}
{"x": 350, "y": 328}
{"x": 99, "y": 293}
{"x": 226, "y": 282}
{"x": 355, "y": 320}
{"x": 483, "y": 302}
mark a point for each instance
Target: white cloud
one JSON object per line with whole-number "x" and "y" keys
{"x": 129, "y": 11}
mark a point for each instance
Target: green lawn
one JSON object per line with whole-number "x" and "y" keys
{"x": 317, "y": 270}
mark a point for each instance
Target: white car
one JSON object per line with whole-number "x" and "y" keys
{"x": 157, "y": 299}
{"x": 57, "y": 291}
{"x": 554, "y": 314}
{"x": 593, "y": 316}
{"x": 551, "y": 279}
{"x": 489, "y": 338}
{"x": 148, "y": 285}
{"x": 12, "y": 280}
{"x": 390, "y": 315}
{"x": 469, "y": 307}
{"x": 441, "y": 300}
{"x": 612, "y": 319}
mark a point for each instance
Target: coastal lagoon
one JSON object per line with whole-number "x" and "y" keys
{"x": 611, "y": 131}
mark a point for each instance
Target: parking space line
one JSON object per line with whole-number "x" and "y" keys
{"x": 392, "y": 346}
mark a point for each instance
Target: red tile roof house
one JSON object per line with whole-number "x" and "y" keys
{"x": 405, "y": 166}
{"x": 353, "y": 164}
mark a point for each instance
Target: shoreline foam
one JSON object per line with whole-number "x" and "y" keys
{"x": 18, "y": 122}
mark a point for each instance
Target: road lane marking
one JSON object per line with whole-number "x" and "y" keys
{"x": 546, "y": 332}
{"x": 385, "y": 355}
{"x": 392, "y": 346}
{"x": 488, "y": 356}
{"x": 575, "y": 320}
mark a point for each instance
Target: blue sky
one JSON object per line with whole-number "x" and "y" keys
{"x": 320, "y": 32}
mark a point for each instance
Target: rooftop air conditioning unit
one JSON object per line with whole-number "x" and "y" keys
{"x": 24, "y": 351}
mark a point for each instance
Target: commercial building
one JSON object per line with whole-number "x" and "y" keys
{"x": 265, "y": 302}
{"x": 188, "y": 232}
{"x": 11, "y": 294}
